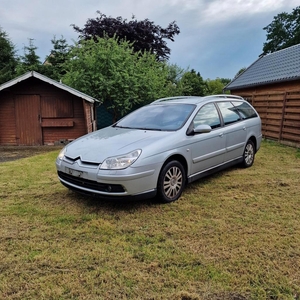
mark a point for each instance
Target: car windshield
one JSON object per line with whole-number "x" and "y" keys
{"x": 169, "y": 117}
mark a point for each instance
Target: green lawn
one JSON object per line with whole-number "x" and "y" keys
{"x": 234, "y": 235}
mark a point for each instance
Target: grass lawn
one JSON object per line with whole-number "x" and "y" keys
{"x": 234, "y": 235}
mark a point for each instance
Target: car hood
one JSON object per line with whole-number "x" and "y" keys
{"x": 111, "y": 141}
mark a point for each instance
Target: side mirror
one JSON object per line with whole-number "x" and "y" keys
{"x": 202, "y": 129}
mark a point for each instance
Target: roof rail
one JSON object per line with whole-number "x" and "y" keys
{"x": 225, "y": 96}
{"x": 174, "y": 98}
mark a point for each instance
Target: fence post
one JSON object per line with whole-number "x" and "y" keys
{"x": 282, "y": 116}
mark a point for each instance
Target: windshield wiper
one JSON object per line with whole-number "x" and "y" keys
{"x": 153, "y": 129}
{"x": 123, "y": 127}
{"x": 138, "y": 128}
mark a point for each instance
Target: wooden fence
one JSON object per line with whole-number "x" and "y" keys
{"x": 280, "y": 115}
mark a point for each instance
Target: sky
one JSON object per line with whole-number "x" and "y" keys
{"x": 217, "y": 37}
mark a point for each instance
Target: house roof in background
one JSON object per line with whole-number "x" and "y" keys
{"x": 279, "y": 66}
{"x": 50, "y": 81}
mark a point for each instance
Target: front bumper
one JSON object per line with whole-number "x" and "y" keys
{"x": 111, "y": 184}
{"x": 142, "y": 196}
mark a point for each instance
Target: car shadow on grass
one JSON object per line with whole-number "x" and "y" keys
{"x": 95, "y": 203}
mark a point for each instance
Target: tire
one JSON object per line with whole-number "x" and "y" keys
{"x": 171, "y": 181}
{"x": 248, "y": 155}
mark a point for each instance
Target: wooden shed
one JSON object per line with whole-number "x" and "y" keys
{"x": 36, "y": 110}
{"x": 272, "y": 85}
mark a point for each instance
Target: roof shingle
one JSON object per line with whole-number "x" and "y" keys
{"x": 282, "y": 65}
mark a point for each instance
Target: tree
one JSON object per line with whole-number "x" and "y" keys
{"x": 112, "y": 72}
{"x": 8, "y": 60}
{"x": 55, "y": 62}
{"x": 225, "y": 81}
{"x": 174, "y": 75}
{"x": 192, "y": 84}
{"x": 216, "y": 86}
{"x": 30, "y": 61}
{"x": 145, "y": 35}
{"x": 240, "y": 72}
{"x": 283, "y": 31}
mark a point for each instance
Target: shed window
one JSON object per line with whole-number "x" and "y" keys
{"x": 54, "y": 107}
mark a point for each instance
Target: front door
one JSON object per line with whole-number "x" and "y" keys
{"x": 208, "y": 150}
{"x": 28, "y": 127}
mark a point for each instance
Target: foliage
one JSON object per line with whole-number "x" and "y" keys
{"x": 112, "y": 72}
{"x": 192, "y": 84}
{"x": 144, "y": 35}
{"x": 234, "y": 235}
{"x": 8, "y": 60}
{"x": 214, "y": 87}
{"x": 30, "y": 61}
{"x": 283, "y": 31}
{"x": 55, "y": 62}
{"x": 174, "y": 75}
{"x": 240, "y": 72}
{"x": 225, "y": 81}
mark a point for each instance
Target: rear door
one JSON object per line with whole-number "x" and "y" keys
{"x": 235, "y": 130}
{"x": 28, "y": 127}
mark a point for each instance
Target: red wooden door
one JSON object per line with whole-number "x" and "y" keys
{"x": 28, "y": 127}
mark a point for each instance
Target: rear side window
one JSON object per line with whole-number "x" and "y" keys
{"x": 244, "y": 109}
{"x": 229, "y": 112}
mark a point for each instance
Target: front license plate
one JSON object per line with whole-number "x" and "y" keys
{"x": 74, "y": 172}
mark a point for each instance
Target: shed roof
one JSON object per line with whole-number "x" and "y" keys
{"x": 50, "y": 81}
{"x": 279, "y": 66}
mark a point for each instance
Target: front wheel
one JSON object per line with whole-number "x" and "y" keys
{"x": 249, "y": 154}
{"x": 171, "y": 181}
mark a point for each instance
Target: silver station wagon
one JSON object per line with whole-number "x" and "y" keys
{"x": 159, "y": 148}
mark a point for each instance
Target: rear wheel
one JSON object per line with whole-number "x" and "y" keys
{"x": 171, "y": 181}
{"x": 249, "y": 154}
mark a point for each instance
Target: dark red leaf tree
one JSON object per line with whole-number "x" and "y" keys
{"x": 145, "y": 35}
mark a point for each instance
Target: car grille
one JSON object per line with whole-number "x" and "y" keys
{"x": 89, "y": 184}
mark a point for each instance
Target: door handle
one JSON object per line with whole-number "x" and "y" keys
{"x": 244, "y": 128}
{"x": 221, "y": 134}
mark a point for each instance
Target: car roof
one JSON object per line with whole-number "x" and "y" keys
{"x": 196, "y": 99}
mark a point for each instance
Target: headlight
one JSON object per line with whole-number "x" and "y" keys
{"x": 121, "y": 161}
{"x": 61, "y": 154}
